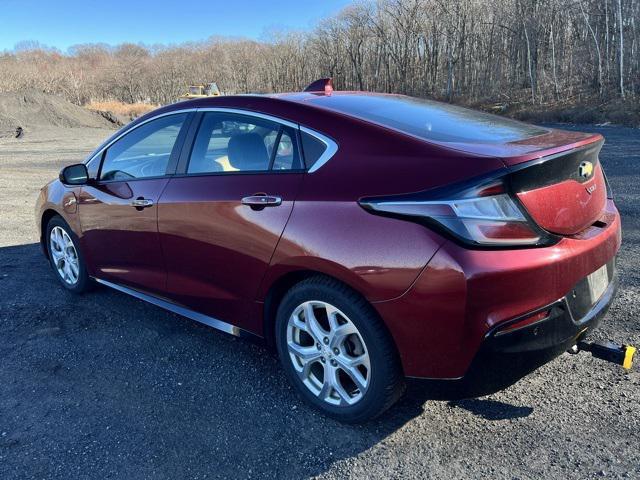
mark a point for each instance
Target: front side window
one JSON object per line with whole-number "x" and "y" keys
{"x": 228, "y": 143}
{"x": 144, "y": 152}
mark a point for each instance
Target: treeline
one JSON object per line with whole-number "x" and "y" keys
{"x": 533, "y": 50}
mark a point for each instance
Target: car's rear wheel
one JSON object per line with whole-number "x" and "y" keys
{"x": 65, "y": 256}
{"x": 336, "y": 351}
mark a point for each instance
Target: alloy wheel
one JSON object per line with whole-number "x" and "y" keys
{"x": 328, "y": 353}
{"x": 64, "y": 255}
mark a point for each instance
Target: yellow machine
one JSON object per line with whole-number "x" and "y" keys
{"x": 201, "y": 91}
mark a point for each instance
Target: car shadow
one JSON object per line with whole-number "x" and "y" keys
{"x": 492, "y": 409}
{"x": 111, "y": 386}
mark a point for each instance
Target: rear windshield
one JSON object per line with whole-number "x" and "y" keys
{"x": 431, "y": 120}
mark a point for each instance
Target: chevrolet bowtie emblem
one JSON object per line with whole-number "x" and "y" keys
{"x": 586, "y": 169}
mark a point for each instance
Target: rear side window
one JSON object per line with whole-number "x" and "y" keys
{"x": 312, "y": 148}
{"x": 228, "y": 143}
{"x": 143, "y": 152}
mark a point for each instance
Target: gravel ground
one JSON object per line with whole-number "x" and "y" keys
{"x": 105, "y": 386}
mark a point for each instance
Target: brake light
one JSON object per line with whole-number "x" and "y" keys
{"x": 484, "y": 215}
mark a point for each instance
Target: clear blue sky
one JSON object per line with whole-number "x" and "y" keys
{"x": 62, "y": 23}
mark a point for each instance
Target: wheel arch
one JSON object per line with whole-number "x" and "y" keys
{"x": 46, "y": 217}
{"x": 276, "y": 292}
{"x": 282, "y": 277}
{"x": 278, "y": 289}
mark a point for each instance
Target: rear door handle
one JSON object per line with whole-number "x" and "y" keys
{"x": 141, "y": 203}
{"x": 261, "y": 201}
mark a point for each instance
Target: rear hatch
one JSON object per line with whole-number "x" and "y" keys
{"x": 564, "y": 193}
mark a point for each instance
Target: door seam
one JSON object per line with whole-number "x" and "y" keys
{"x": 293, "y": 206}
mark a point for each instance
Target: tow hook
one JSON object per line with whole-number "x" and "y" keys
{"x": 609, "y": 351}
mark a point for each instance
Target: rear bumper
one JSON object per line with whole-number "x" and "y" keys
{"x": 506, "y": 357}
{"x": 567, "y": 323}
{"x": 452, "y": 315}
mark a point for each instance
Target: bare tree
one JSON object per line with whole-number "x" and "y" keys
{"x": 621, "y": 50}
{"x": 535, "y": 51}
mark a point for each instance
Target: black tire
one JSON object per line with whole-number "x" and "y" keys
{"x": 386, "y": 382}
{"x": 83, "y": 283}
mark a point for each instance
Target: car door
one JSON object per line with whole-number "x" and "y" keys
{"x": 118, "y": 209}
{"x": 221, "y": 216}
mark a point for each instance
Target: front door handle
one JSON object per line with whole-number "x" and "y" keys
{"x": 261, "y": 201}
{"x": 141, "y": 203}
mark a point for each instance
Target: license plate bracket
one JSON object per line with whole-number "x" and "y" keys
{"x": 598, "y": 282}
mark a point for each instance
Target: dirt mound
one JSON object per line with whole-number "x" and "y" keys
{"x": 24, "y": 112}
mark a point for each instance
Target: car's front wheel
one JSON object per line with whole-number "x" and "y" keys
{"x": 336, "y": 351}
{"x": 65, "y": 256}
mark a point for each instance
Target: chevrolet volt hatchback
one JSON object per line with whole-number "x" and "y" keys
{"x": 368, "y": 237}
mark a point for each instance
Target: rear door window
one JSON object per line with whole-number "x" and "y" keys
{"x": 231, "y": 143}
{"x": 285, "y": 156}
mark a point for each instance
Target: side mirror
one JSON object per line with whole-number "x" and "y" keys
{"x": 74, "y": 174}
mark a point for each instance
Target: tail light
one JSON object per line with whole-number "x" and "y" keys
{"x": 484, "y": 215}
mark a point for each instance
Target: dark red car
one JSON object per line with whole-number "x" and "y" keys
{"x": 368, "y": 237}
